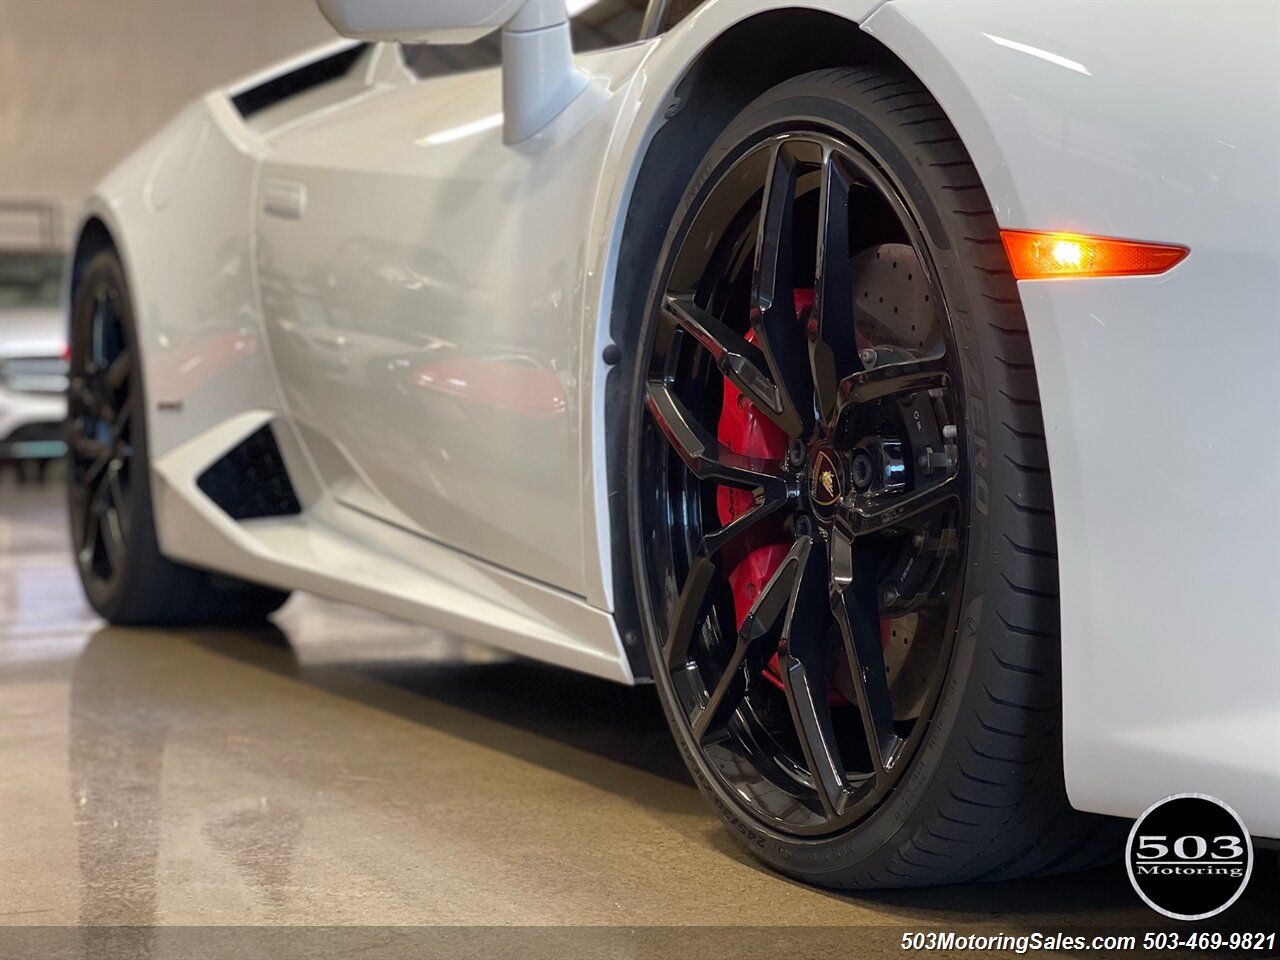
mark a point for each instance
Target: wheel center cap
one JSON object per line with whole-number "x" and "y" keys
{"x": 826, "y": 484}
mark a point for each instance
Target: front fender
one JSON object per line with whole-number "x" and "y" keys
{"x": 178, "y": 211}
{"x": 1160, "y": 395}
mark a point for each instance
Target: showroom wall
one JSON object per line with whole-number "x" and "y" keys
{"x": 82, "y": 82}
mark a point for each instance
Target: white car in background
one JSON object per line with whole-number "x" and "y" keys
{"x": 33, "y": 354}
{"x": 735, "y": 350}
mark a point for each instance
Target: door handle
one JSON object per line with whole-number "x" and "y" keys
{"x": 286, "y": 199}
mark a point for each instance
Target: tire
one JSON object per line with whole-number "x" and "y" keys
{"x": 125, "y": 577}
{"x": 970, "y": 788}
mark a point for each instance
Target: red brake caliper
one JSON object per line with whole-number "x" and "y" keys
{"x": 745, "y": 430}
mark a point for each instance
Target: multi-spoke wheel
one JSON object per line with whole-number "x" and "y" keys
{"x": 101, "y": 404}
{"x": 840, "y": 511}
{"x": 112, "y": 532}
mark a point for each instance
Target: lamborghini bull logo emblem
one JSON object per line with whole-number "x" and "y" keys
{"x": 824, "y": 480}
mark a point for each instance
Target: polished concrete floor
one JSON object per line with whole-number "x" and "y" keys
{"x": 343, "y": 768}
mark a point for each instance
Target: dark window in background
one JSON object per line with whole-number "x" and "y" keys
{"x": 30, "y": 279}
{"x": 606, "y": 23}
{"x": 437, "y": 60}
{"x": 298, "y": 81}
{"x": 676, "y": 10}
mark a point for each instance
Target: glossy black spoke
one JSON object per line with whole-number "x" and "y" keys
{"x": 894, "y": 380}
{"x": 97, "y": 452}
{"x": 98, "y": 318}
{"x": 96, "y": 386}
{"x": 95, "y": 501}
{"x": 773, "y": 305}
{"x": 90, "y": 394}
{"x": 872, "y": 516}
{"x": 115, "y": 375}
{"x": 855, "y": 605}
{"x": 704, "y": 455}
{"x": 832, "y": 341}
{"x": 713, "y": 543}
{"x": 804, "y": 679}
{"x": 118, "y": 501}
{"x": 690, "y": 607}
{"x": 112, "y": 531}
{"x": 91, "y": 529}
{"x": 80, "y": 396}
{"x": 121, "y": 425}
{"x": 712, "y": 716}
{"x": 757, "y": 633}
{"x": 93, "y": 475}
{"x": 740, "y": 361}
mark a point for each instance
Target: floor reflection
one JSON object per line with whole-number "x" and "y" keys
{"x": 116, "y": 753}
{"x": 345, "y": 768}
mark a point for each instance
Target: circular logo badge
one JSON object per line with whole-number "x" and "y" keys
{"x": 1189, "y": 856}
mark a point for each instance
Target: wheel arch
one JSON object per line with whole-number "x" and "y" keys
{"x": 92, "y": 237}
{"x": 98, "y": 231}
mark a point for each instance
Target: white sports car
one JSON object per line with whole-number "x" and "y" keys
{"x": 732, "y": 346}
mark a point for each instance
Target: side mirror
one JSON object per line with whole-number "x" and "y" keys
{"x": 538, "y": 76}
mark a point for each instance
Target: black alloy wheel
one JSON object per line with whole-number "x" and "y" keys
{"x": 838, "y": 713}
{"x": 101, "y": 407}
{"x": 126, "y": 578}
{"x": 870, "y": 494}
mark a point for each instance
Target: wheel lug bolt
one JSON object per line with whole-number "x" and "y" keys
{"x": 931, "y": 460}
{"x": 863, "y": 470}
{"x": 797, "y": 453}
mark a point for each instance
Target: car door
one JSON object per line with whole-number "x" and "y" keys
{"x": 421, "y": 288}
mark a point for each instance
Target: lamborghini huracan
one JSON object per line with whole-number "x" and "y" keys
{"x": 894, "y": 385}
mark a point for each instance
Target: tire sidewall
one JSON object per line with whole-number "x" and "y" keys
{"x": 866, "y": 845}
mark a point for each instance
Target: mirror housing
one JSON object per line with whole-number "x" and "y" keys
{"x": 418, "y": 21}
{"x": 538, "y": 76}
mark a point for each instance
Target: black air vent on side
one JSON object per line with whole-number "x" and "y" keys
{"x": 251, "y": 480}
{"x": 297, "y": 81}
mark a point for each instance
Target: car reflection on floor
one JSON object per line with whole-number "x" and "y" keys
{"x": 341, "y": 767}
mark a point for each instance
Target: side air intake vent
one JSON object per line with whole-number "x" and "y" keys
{"x": 297, "y": 81}
{"x": 251, "y": 480}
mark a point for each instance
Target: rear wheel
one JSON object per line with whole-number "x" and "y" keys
{"x": 125, "y": 577}
{"x": 840, "y": 504}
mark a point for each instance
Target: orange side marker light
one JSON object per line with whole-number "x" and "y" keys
{"x": 1040, "y": 256}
